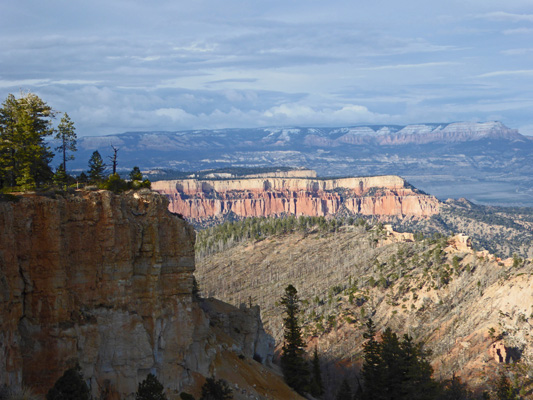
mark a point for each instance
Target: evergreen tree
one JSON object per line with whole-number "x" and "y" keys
{"x": 504, "y": 389}
{"x": 66, "y": 134}
{"x": 82, "y": 177}
{"x": 70, "y": 386}
{"x": 394, "y": 369}
{"x": 24, "y": 155}
{"x": 216, "y": 390}
{"x": 96, "y": 168}
{"x": 373, "y": 370}
{"x": 150, "y": 389}
{"x": 316, "y": 387}
{"x": 60, "y": 177}
{"x": 136, "y": 174}
{"x": 345, "y": 391}
{"x": 293, "y": 363}
{"x": 454, "y": 389}
{"x": 417, "y": 371}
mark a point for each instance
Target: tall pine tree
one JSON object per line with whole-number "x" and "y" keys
{"x": 66, "y": 134}
{"x": 96, "y": 168}
{"x": 293, "y": 363}
{"x": 316, "y": 387}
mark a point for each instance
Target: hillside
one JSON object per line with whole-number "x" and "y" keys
{"x": 504, "y": 231}
{"x": 460, "y": 302}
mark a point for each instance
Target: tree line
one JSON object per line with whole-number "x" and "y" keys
{"x": 26, "y": 125}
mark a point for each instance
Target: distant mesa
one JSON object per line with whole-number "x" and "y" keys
{"x": 299, "y": 193}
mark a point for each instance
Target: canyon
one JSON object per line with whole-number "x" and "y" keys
{"x": 201, "y": 200}
{"x": 106, "y": 281}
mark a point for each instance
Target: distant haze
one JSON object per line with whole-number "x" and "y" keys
{"x": 485, "y": 162}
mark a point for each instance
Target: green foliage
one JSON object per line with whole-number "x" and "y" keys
{"x": 60, "y": 177}
{"x": 66, "y": 134}
{"x": 136, "y": 174}
{"x": 395, "y": 366}
{"x": 150, "y": 389}
{"x": 24, "y": 155}
{"x": 454, "y": 389}
{"x": 186, "y": 396}
{"x": 293, "y": 363}
{"x": 96, "y": 168}
{"x": 115, "y": 183}
{"x": 220, "y": 237}
{"x": 70, "y": 386}
{"x": 504, "y": 389}
{"x": 82, "y": 178}
{"x": 216, "y": 390}
{"x": 316, "y": 387}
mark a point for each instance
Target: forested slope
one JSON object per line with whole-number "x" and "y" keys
{"x": 459, "y": 302}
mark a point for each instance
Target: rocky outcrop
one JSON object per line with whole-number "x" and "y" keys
{"x": 380, "y": 195}
{"x": 106, "y": 281}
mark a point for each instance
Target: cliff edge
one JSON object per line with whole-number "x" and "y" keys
{"x": 106, "y": 281}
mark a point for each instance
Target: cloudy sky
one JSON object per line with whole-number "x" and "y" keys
{"x": 128, "y": 65}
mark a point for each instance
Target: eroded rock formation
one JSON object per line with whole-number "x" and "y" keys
{"x": 106, "y": 281}
{"x": 381, "y": 195}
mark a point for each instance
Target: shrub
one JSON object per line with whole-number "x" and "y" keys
{"x": 150, "y": 389}
{"x": 216, "y": 390}
{"x": 70, "y": 386}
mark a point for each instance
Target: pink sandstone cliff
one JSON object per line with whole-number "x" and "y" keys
{"x": 253, "y": 197}
{"x": 106, "y": 281}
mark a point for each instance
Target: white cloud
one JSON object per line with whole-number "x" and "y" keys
{"x": 175, "y": 114}
{"x": 507, "y": 73}
{"x": 517, "y": 52}
{"x": 518, "y": 31}
{"x": 506, "y": 16}
{"x": 410, "y": 66}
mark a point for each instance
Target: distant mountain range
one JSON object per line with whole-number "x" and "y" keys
{"x": 485, "y": 162}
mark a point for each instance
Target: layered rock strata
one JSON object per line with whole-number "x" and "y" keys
{"x": 381, "y": 195}
{"x": 106, "y": 281}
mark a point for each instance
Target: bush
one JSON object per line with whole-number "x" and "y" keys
{"x": 70, "y": 386}
{"x": 150, "y": 389}
{"x": 115, "y": 183}
{"x": 216, "y": 390}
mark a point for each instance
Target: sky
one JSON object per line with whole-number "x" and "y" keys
{"x": 118, "y": 66}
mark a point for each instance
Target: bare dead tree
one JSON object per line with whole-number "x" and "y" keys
{"x": 113, "y": 159}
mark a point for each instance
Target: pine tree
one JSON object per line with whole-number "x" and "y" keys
{"x": 395, "y": 368}
{"x": 504, "y": 389}
{"x": 60, "y": 177}
{"x": 66, "y": 134}
{"x": 150, "y": 389}
{"x": 96, "y": 168}
{"x": 345, "y": 391}
{"x": 373, "y": 370}
{"x": 136, "y": 174}
{"x": 293, "y": 363}
{"x": 24, "y": 155}
{"x": 316, "y": 386}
